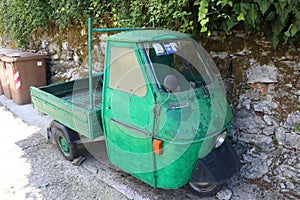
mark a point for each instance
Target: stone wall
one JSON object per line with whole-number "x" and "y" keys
{"x": 263, "y": 88}
{"x": 264, "y": 91}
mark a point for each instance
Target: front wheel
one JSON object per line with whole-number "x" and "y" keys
{"x": 203, "y": 189}
{"x": 68, "y": 149}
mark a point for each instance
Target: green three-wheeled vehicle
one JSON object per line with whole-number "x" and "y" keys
{"x": 160, "y": 105}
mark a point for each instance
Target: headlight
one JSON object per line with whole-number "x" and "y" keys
{"x": 220, "y": 139}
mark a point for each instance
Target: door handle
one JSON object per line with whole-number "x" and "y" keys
{"x": 179, "y": 106}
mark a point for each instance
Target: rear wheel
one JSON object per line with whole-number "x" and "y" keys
{"x": 203, "y": 189}
{"x": 66, "y": 147}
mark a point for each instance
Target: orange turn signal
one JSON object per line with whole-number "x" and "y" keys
{"x": 157, "y": 146}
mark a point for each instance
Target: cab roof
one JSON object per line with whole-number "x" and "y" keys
{"x": 146, "y": 36}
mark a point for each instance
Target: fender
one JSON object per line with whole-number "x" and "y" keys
{"x": 69, "y": 133}
{"x": 218, "y": 166}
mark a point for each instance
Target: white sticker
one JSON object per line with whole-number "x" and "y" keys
{"x": 39, "y": 63}
{"x": 174, "y": 46}
{"x": 159, "y": 50}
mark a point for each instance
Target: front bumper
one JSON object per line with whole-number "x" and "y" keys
{"x": 218, "y": 166}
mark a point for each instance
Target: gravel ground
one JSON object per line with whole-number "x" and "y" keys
{"x": 32, "y": 168}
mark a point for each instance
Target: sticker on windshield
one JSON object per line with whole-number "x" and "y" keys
{"x": 171, "y": 48}
{"x": 174, "y": 46}
{"x": 168, "y": 49}
{"x": 159, "y": 50}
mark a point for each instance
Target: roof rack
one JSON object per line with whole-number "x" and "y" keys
{"x": 90, "y": 49}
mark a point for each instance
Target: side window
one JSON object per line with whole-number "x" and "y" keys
{"x": 125, "y": 72}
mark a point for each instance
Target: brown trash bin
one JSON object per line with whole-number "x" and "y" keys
{"x": 25, "y": 69}
{"x": 4, "y": 81}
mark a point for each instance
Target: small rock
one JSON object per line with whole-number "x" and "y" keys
{"x": 282, "y": 186}
{"x": 269, "y": 130}
{"x": 53, "y": 47}
{"x": 280, "y": 135}
{"x": 55, "y": 57}
{"x": 252, "y": 124}
{"x": 244, "y": 52}
{"x": 224, "y": 194}
{"x": 293, "y": 141}
{"x": 289, "y": 140}
{"x": 292, "y": 120}
{"x": 265, "y": 107}
{"x": 223, "y": 55}
{"x": 290, "y": 185}
{"x": 65, "y": 46}
{"x": 262, "y": 74}
{"x": 266, "y": 178}
{"x": 75, "y": 56}
{"x": 296, "y": 92}
{"x": 256, "y": 139}
{"x": 83, "y": 32}
{"x": 44, "y": 44}
{"x": 268, "y": 120}
{"x": 257, "y": 168}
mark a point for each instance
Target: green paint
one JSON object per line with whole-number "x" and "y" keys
{"x": 63, "y": 144}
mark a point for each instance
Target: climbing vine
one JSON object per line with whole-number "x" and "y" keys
{"x": 278, "y": 19}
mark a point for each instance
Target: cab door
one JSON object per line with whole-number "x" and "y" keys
{"x": 128, "y": 112}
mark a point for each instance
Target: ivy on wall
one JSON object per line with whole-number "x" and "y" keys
{"x": 278, "y": 19}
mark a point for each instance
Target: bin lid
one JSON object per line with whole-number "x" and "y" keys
{"x": 22, "y": 56}
{"x": 4, "y": 51}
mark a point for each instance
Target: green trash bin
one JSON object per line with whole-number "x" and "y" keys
{"x": 25, "y": 69}
{"x": 4, "y": 81}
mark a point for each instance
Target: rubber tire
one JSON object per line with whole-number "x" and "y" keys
{"x": 212, "y": 190}
{"x": 68, "y": 145}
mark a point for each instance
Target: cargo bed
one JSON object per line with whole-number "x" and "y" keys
{"x": 69, "y": 104}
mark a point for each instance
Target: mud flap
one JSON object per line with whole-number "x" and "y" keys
{"x": 218, "y": 166}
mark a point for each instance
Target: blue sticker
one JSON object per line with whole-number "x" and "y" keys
{"x": 168, "y": 49}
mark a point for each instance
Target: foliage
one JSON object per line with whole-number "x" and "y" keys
{"x": 297, "y": 128}
{"x": 18, "y": 20}
{"x": 278, "y": 19}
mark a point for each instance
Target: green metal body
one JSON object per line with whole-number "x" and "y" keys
{"x": 68, "y": 103}
{"x": 187, "y": 123}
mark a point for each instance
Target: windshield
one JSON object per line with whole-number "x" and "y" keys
{"x": 180, "y": 65}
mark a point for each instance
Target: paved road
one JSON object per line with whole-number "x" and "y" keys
{"x": 32, "y": 168}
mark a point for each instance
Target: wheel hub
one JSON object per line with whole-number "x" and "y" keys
{"x": 64, "y": 145}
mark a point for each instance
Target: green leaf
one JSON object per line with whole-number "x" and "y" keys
{"x": 277, "y": 27}
{"x": 287, "y": 33}
{"x": 282, "y": 3}
{"x": 271, "y": 16}
{"x": 203, "y": 22}
{"x": 274, "y": 40}
{"x": 244, "y": 7}
{"x": 203, "y": 10}
{"x": 263, "y": 5}
{"x": 203, "y": 29}
{"x": 224, "y": 3}
{"x": 230, "y": 24}
{"x": 253, "y": 14}
{"x": 240, "y": 17}
{"x": 293, "y": 30}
